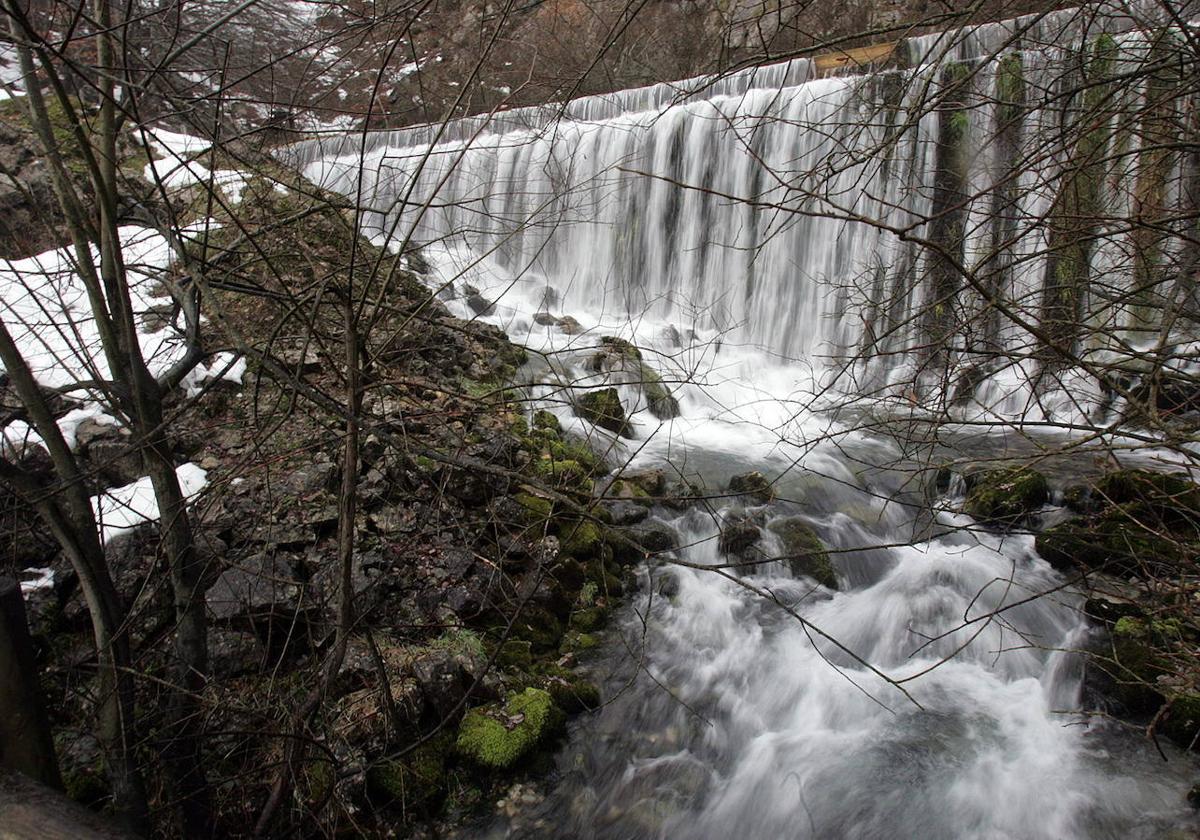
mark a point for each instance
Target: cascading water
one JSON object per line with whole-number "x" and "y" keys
{"x": 718, "y": 224}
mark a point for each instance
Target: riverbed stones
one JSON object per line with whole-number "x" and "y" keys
{"x": 1005, "y": 497}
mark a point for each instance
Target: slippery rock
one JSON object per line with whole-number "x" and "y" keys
{"x": 1005, "y": 497}
{"x": 803, "y": 551}
{"x": 753, "y": 484}
{"x": 737, "y": 535}
{"x": 603, "y": 408}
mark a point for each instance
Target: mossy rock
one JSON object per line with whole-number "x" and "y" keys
{"x": 545, "y": 421}
{"x": 1181, "y": 723}
{"x": 576, "y": 642}
{"x": 1173, "y": 499}
{"x": 753, "y": 484}
{"x": 1122, "y": 540}
{"x": 803, "y": 551}
{"x": 1005, "y": 496}
{"x": 659, "y": 399}
{"x": 603, "y": 408}
{"x": 416, "y": 780}
{"x": 573, "y": 695}
{"x": 581, "y": 538}
{"x": 1135, "y": 667}
{"x": 535, "y": 510}
{"x": 586, "y": 619}
{"x": 496, "y": 737}
{"x": 516, "y": 654}
{"x": 539, "y": 627}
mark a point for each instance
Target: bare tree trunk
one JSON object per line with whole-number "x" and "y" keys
{"x": 25, "y": 741}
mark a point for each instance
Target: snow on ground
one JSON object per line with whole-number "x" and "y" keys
{"x": 172, "y": 164}
{"x": 45, "y": 306}
{"x": 41, "y": 578}
{"x": 122, "y": 509}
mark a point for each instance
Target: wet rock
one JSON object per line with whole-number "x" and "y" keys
{"x": 1004, "y": 497}
{"x": 803, "y": 551}
{"x": 653, "y": 536}
{"x": 545, "y": 319}
{"x": 650, "y": 482}
{"x": 603, "y": 408}
{"x": 477, "y": 302}
{"x": 1119, "y": 541}
{"x": 737, "y": 535}
{"x": 569, "y": 326}
{"x": 549, "y": 299}
{"x": 622, "y": 512}
{"x": 753, "y": 484}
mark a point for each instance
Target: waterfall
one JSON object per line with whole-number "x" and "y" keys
{"x": 818, "y": 220}
{"x": 783, "y": 246}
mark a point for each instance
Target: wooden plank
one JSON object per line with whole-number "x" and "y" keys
{"x": 855, "y": 58}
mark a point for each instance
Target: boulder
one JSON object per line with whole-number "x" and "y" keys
{"x": 477, "y": 303}
{"x": 260, "y": 587}
{"x": 1005, "y": 497}
{"x": 737, "y": 535}
{"x": 496, "y": 737}
{"x": 622, "y": 512}
{"x": 803, "y": 551}
{"x": 618, "y": 355}
{"x": 109, "y": 451}
{"x": 603, "y": 408}
{"x": 569, "y": 326}
{"x": 753, "y": 484}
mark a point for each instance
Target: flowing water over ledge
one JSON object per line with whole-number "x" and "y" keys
{"x": 782, "y": 335}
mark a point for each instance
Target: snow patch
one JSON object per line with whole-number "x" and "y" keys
{"x": 122, "y": 509}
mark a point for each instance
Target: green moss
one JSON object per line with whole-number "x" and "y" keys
{"x": 603, "y": 408}
{"x": 804, "y": 552}
{"x": 1010, "y": 87}
{"x": 460, "y": 641}
{"x": 575, "y": 642}
{"x": 581, "y": 538}
{"x": 1005, "y": 496}
{"x": 1131, "y": 628}
{"x": 545, "y": 421}
{"x": 536, "y": 511}
{"x": 588, "y": 618}
{"x": 496, "y": 737}
{"x": 516, "y": 654}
